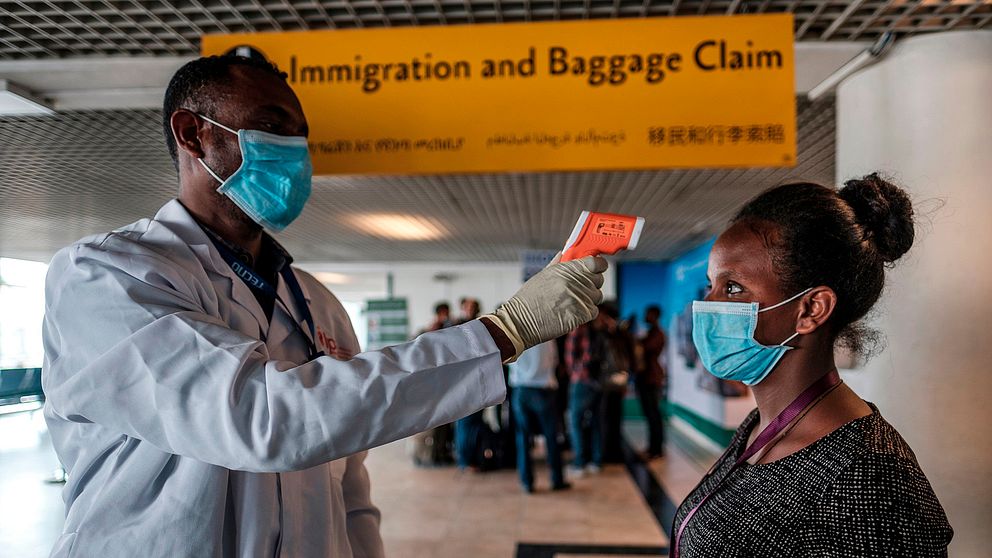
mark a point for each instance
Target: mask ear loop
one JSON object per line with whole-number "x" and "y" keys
{"x": 218, "y": 124}
{"x": 786, "y": 301}
{"x": 200, "y": 159}
{"x": 791, "y": 337}
{"x": 212, "y": 173}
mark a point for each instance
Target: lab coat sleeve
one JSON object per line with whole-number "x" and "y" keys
{"x": 362, "y": 516}
{"x": 129, "y": 346}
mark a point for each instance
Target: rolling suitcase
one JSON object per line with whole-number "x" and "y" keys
{"x": 434, "y": 447}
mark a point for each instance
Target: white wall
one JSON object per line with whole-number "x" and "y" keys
{"x": 22, "y": 308}
{"x": 419, "y": 284}
{"x": 924, "y": 115}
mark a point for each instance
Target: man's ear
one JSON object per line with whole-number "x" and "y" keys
{"x": 816, "y": 308}
{"x": 186, "y": 130}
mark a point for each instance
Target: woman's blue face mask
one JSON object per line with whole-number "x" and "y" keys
{"x": 273, "y": 182}
{"x": 723, "y": 333}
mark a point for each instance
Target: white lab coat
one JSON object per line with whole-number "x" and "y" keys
{"x": 185, "y": 435}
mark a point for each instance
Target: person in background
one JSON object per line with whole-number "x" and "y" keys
{"x": 435, "y": 446}
{"x": 469, "y": 308}
{"x": 533, "y": 384}
{"x": 442, "y": 318}
{"x": 584, "y": 351}
{"x": 467, "y": 429}
{"x": 506, "y": 422}
{"x": 650, "y": 381}
{"x": 561, "y": 395}
{"x": 615, "y": 367}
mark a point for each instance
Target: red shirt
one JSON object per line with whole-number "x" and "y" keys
{"x": 654, "y": 345}
{"x": 578, "y": 354}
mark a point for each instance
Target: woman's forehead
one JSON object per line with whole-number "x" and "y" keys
{"x": 741, "y": 252}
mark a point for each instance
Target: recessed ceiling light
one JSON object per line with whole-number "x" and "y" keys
{"x": 331, "y": 278}
{"x": 18, "y": 101}
{"x": 396, "y": 226}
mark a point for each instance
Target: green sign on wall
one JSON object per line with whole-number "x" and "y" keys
{"x": 389, "y": 322}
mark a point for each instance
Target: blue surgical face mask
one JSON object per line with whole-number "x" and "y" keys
{"x": 273, "y": 182}
{"x": 724, "y": 336}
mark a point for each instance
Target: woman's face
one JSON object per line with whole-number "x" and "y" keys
{"x": 741, "y": 270}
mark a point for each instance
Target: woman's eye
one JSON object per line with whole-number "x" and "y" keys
{"x": 733, "y": 289}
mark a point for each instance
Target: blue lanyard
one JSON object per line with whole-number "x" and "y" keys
{"x": 258, "y": 283}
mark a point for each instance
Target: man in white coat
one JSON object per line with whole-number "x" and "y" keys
{"x": 205, "y": 397}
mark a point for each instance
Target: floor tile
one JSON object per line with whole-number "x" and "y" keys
{"x": 426, "y": 512}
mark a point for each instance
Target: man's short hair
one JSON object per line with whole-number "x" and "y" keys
{"x": 654, "y": 308}
{"x": 191, "y": 86}
{"x": 610, "y": 308}
{"x": 443, "y": 306}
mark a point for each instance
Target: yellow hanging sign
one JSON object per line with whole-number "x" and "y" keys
{"x": 684, "y": 92}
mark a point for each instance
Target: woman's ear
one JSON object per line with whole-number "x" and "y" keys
{"x": 816, "y": 308}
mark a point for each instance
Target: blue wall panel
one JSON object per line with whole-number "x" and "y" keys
{"x": 639, "y": 285}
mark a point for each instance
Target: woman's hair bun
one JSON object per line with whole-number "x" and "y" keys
{"x": 885, "y": 213}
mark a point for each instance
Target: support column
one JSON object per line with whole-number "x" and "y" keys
{"x": 923, "y": 115}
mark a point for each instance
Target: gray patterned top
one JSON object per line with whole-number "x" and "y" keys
{"x": 856, "y": 492}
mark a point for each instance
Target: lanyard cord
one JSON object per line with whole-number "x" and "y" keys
{"x": 766, "y": 440}
{"x": 258, "y": 283}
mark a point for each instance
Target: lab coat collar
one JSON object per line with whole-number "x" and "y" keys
{"x": 269, "y": 246}
{"x": 177, "y": 219}
{"x": 279, "y": 335}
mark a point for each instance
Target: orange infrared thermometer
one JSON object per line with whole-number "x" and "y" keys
{"x": 602, "y": 233}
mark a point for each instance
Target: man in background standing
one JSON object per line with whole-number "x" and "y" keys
{"x": 584, "y": 353}
{"x": 533, "y": 383}
{"x": 442, "y": 318}
{"x": 467, "y": 430}
{"x": 469, "y": 308}
{"x": 651, "y": 381}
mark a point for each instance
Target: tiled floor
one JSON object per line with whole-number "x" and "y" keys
{"x": 31, "y": 510}
{"x": 444, "y": 512}
{"x": 435, "y": 513}
{"x": 677, "y": 473}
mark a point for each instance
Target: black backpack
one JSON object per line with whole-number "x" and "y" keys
{"x": 488, "y": 449}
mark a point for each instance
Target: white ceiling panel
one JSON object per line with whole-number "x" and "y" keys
{"x": 59, "y": 28}
{"x": 77, "y": 173}
{"x": 80, "y": 172}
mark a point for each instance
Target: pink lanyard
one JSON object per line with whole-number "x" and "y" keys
{"x": 768, "y": 437}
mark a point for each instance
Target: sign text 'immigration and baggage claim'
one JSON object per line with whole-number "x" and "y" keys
{"x": 686, "y": 92}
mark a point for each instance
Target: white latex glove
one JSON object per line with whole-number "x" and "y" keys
{"x": 560, "y": 298}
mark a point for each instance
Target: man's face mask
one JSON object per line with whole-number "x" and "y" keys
{"x": 723, "y": 333}
{"x": 273, "y": 182}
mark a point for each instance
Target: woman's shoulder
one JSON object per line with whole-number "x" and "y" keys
{"x": 877, "y": 455}
{"x": 868, "y": 442}
{"x": 883, "y": 491}
{"x": 880, "y": 442}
